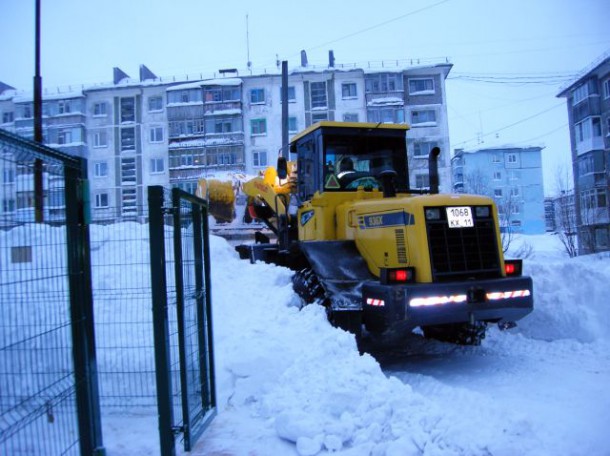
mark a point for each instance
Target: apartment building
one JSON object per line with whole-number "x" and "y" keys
{"x": 171, "y": 132}
{"x": 588, "y": 103}
{"x": 512, "y": 176}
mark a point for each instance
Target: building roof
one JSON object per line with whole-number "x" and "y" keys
{"x": 592, "y": 68}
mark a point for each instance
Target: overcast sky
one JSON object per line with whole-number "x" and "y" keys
{"x": 510, "y": 58}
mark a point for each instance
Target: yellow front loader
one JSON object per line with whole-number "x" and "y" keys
{"x": 377, "y": 253}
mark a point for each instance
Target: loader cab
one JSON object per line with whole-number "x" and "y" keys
{"x": 345, "y": 156}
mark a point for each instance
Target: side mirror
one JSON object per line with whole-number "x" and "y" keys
{"x": 282, "y": 168}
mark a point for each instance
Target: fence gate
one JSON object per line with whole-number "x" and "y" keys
{"x": 49, "y": 401}
{"x": 182, "y": 317}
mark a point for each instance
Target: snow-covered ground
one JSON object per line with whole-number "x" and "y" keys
{"x": 288, "y": 383}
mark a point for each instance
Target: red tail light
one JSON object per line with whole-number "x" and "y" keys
{"x": 403, "y": 275}
{"x": 513, "y": 268}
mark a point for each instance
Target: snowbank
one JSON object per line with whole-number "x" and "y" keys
{"x": 288, "y": 373}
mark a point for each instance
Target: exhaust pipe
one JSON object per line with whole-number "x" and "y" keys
{"x": 433, "y": 169}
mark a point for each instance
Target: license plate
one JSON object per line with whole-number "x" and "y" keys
{"x": 459, "y": 217}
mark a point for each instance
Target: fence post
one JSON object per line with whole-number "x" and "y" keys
{"x": 205, "y": 229}
{"x": 81, "y": 310}
{"x": 160, "y": 320}
{"x": 179, "y": 277}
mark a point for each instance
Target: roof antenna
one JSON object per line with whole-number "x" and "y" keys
{"x": 248, "y": 45}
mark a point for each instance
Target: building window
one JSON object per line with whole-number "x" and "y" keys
{"x": 156, "y": 134}
{"x": 318, "y": 94}
{"x": 257, "y": 96}
{"x": 423, "y": 117}
{"x": 348, "y": 90}
{"x": 497, "y": 175}
{"x": 155, "y": 103}
{"x": 99, "y": 109}
{"x": 382, "y": 83}
{"x": 511, "y": 158}
{"x": 259, "y": 158}
{"x": 8, "y": 176}
{"x": 222, "y": 125}
{"x": 27, "y": 112}
{"x": 100, "y": 139}
{"x": 63, "y": 107}
{"x": 421, "y": 86}
{"x": 128, "y": 139}
{"x": 496, "y": 158}
{"x": 258, "y": 127}
{"x": 100, "y": 169}
{"x": 588, "y": 128}
{"x": 350, "y": 117}
{"x": 7, "y": 117}
{"x": 128, "y": 109}
{"x": 580, "y": 94}
{"x": 101, "y": 200}
{"x": 422, "y": 149}
{"x": 292, "y": 125}
{"x": 386, "y": 115}
{"x": 129, "y": 201}
{"x": 157, "y": 165}
{"x": 291, "y": 95}
{"x": 497, "y": 193}
{"x": 64, "y": 137}
{"x": 514, "y": 191}
{"x": 319, "y": 117}
{"x": 422, "y": 181}
{"x": 128, "y": 171}
{"x": 594, "y": 198}
{"x": 8, "y": 205}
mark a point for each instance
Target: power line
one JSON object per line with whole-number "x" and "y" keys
{"x": 511, "y": 125}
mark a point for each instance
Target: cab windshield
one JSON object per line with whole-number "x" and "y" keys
{"x": 353, "y": 162}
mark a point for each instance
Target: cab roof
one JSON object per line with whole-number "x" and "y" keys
{"x": 335, "y": 124}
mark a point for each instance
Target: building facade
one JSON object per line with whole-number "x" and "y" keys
{"x": 588, "y": 103}
{"x": 512, "y": 176}
{"x": 172, "y": 132}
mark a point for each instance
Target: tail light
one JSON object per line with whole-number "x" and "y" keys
{"x": 397, "y": 276}
{"x": 513, "y": 268}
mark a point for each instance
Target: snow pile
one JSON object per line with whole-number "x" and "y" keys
{"x": 304, "y": 381}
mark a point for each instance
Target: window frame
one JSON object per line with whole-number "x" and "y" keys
{"x": 256, "y": 158}
{"x": 319, "y": 100}
{"x": 257, "y": 96}
{"x": 349, "y": 95}
{"x": 256, "y": 124}
{"x": 154, "y": 108}
{"x": 100, "y": 169}
{"x": 99, "y": 200}
{"x": 420, "y": 112}
{"x": 100, "y": 109}
{"x": 155, "y": 134}
{"x": 424, "y": 91}
{"x": 154, "y": 165}
{"x": 100, "y": 139}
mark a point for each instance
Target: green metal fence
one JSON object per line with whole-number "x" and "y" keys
{"x": 182, "y": 316}
{"x": 48, "y": 370}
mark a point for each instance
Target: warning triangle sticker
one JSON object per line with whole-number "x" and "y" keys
{"x": 332, "y": 183}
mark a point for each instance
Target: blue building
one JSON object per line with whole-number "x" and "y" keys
{"x": 512, "y": 176}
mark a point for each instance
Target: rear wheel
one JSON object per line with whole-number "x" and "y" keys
{"x": 457, "y": 333}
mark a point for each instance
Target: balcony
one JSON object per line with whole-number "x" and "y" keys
{"x": 221, "y": 108}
